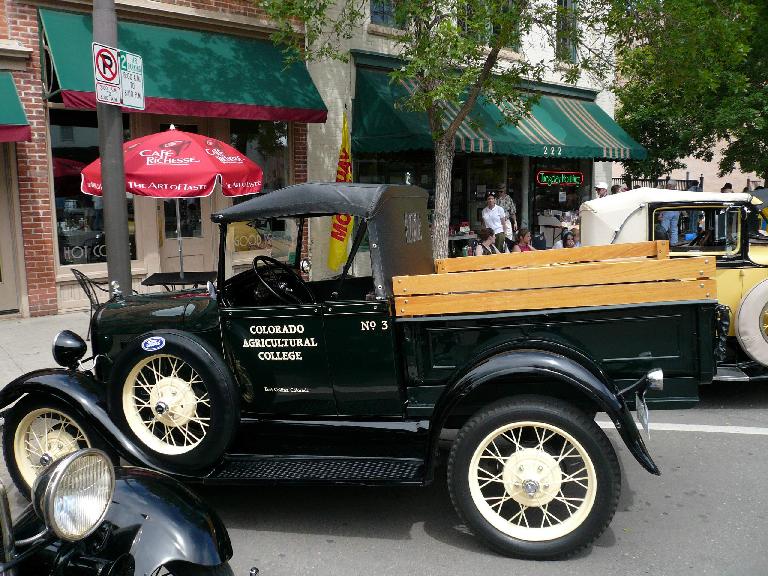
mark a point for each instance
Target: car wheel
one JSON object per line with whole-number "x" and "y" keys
{"x": 174, "y": 396}
{"x": 37, "y": 432}
{"x": 752, "y": 323}
{"x": 534, "y": 478}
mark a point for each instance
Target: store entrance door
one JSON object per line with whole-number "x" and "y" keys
{"x": 9, "y": 298}
{"x": 195, "y": 216}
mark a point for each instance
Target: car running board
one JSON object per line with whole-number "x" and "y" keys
{"x": 318, "y": 470}
{"x": 730, "y": 374}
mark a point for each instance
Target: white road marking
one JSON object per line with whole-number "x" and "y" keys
{"x": 703, "y": 428}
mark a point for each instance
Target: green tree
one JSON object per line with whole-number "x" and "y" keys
{"x": 690, "y": 74}
{"x": 452, "y": 49}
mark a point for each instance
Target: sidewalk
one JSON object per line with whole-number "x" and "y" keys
{"x": 25, "y": 343}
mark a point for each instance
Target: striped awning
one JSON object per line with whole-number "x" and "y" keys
{"x": 572, "y": 128}
{"x": 557, "y": 126}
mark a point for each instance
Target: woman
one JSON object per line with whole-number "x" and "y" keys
{"x": 523, "y": 241}
{"x": 567, "y": 240}
{"x": 487, "y": 244}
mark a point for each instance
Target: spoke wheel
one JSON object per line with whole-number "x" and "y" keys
{"x": 534, "y": 477}
{"x": 532, "y": 481}
{"x": 42, "y": 437}
{"x": 166, "y": 404}
{"x": 39, "y": 430}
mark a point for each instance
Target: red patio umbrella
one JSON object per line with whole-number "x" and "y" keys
{"x": 176, "y": 164}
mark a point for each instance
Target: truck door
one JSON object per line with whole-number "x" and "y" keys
{"x": 360, "y": 341}
{"x": 278, "y": 354}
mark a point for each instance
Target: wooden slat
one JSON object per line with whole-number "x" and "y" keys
{"x": 571, "y": 297}
{"x": 658, "y": 249}
{"x": 587, "y": 274}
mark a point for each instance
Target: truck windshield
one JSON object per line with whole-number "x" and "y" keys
{"x": 713, "y": 229}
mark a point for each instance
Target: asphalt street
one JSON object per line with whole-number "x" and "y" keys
{"x": 706, "y": 514}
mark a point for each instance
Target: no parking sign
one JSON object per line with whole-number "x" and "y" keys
{"x": 119, "y": 77}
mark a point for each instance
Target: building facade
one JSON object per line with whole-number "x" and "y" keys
{"x": 209, "y": 68}
{"x": 549, "y": 163}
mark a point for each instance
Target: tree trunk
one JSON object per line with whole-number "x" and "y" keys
{"x": 444, "y": 152}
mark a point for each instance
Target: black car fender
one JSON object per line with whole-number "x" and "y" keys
{"x": 172, "y": 523}
{"x": 514, "y": 366}
{"x": 152, "y": 521}
{"x": 87, "y": 397}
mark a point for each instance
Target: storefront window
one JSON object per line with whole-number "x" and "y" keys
{"x": 558, "y": 189}
{"x": 266, "y": 143}
{"x": 80, "y": 217}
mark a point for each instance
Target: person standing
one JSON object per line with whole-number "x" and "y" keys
{"x": 495, "y": 218}
{"x": 601, "y": 189}
{"x": 670, "y": 218}
{"x": 727, "y": 189}
{"x": 505, "y": 201}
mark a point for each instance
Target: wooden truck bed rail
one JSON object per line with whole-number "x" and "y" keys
{"x": 567, "y": 278}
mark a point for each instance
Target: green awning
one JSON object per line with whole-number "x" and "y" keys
{"x": 13, "y": 122}
{"x": 187, "y": 72}
{"x": 557, "y": 126}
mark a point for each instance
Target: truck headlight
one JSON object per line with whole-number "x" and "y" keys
{"x": 73, "y": 495}
{"x": 68, "y": 349}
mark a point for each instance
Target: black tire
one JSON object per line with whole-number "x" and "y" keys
{"x": 174, "y": 396}
{"x": 29, "y": 417}
{"x": 489, "y": 487}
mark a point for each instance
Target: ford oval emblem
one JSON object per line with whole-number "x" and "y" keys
{"x": 153, "y": 343}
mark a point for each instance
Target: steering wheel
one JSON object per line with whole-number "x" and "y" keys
{"x": 281, "y": 281}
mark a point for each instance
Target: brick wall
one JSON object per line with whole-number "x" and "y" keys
{"x": 32, "y": 161}
{"x": 238, "y": 7}
{"x": 300, "y": 174}
{"x": 3, "y": 21}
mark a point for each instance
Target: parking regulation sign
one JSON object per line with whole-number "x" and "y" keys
{"x": 132, "y": 80}
{"x": 106, "y": 73}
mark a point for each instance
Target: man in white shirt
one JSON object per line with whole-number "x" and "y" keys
{"x": 495, "y": 218}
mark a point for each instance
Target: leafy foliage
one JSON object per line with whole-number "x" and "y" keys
{"x": 458, "y": 50}
{"x": 692, "y": 73}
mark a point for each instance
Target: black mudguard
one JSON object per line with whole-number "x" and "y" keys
{"x": 87, "y": 397}
{"x": 153, "y": 521}
{"x": 514, "y": 366}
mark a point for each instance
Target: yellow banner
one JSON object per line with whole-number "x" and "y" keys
{"x": 341, "y": 224}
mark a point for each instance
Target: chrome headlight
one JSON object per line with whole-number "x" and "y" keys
{"x": 72, "y": 496}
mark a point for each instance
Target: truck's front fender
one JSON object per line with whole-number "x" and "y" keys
{"x": 152, "y": 519}
{"x": 521, "y": 366}
{"x": 87, "y": 398}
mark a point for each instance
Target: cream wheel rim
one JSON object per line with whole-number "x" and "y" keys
{"x": 532, "y": 481}
{"x": 166, "y": 404}
{"x": 42, "y": 437}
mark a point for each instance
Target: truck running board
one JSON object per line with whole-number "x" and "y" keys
{"x": 318, "y": 470}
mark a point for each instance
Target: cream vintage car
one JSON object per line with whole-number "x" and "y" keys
{"x": 728, "y": 227}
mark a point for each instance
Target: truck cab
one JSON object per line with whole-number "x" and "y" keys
{"x": 729, "y": 228}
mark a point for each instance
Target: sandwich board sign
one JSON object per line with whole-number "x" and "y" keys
{"x": 119, "y": 77}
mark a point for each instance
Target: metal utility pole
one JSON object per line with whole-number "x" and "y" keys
{"x": 110, "y": 119}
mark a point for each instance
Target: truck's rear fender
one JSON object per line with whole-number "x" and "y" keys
{"x": 87, "y": 398}
{"x": 528, "y": 371}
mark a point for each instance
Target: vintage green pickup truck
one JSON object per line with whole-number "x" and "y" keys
{"x": 267, "y": 378}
